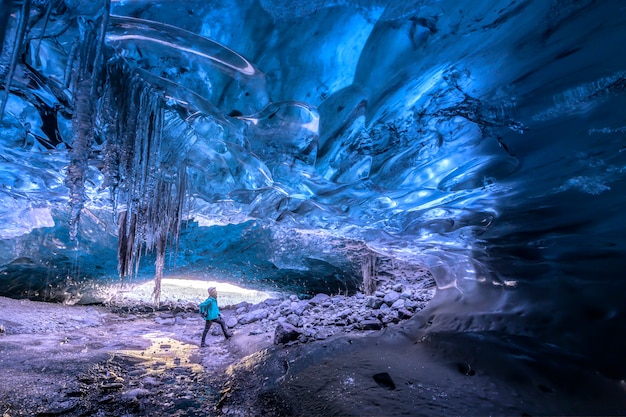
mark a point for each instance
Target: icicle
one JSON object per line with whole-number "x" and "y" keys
{"x": 368, "y": 270}
{"x": 75, "y": 176}
{"x": 15, "y": 54}
{"x": 153, "y": 193}
{"x": 159, "y": 264}
{"x": 45, "y": 25}
{"x": 87, "y": 79}
{"x": 5, "y": 13}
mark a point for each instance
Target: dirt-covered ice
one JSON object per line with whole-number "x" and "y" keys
{"x": 128, "y": 358}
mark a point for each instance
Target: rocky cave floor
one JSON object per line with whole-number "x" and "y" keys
{"x": 127, "y": 360}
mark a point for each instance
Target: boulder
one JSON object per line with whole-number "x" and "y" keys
{"x": 300, "y": 307}
{"x": 254, "y": 315}
{"x": 272, "y": 302}
{"x": 293, "y": 319}
{"x": 370, "y": 324}
{"x": 338, "y": 299}
{"x": 373, "y": 302}
{"x": 391, "y": 297}
{"x": 344, "y": 313}
{"x": 398, "y": 304}
{"x": 136, "y": 393}
{"x": 318, "y": 299}
{"x": 404, "y": 314}
{"x": 231, "y": 321}
{"x": 285, "y": 333}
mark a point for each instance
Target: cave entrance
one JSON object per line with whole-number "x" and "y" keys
{"x": 183, "y": 290}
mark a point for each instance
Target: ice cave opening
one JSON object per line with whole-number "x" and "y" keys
{"x": 350, "y": 149}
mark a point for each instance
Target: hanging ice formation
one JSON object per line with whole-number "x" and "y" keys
{"x": 149, "y": 195}
{"x": 149, "y": 122}
{"x": 137, "y": 125}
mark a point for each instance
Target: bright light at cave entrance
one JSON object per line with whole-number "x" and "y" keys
{"x": 193, "y": 291}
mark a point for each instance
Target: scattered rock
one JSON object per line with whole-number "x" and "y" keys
{"x": 398, "y": 304}
{"x": 60, "y": 407}
{"x": 391, "y": 297}
{"x": 294, "y": 320}
{"x": 373, "y": 302}
{"x": 319, "y": 299}
{"x": 314, "y": 319}
{"x": 404, "y": 314}
{"x": 344, "y": 313}
{"x": 285, "y": 333}
{"x": 151, "y": 382}
{"x": 231, "y": 321}
{"x": 136, "y": 393}
{"x": 338, "y": 299}
{"x": 272, "y": 302}
{"x": 253, "y": 316}
{"x": 370, "y": 324}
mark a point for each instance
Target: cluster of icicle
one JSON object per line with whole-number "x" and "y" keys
{"x": 148, "y": 195}
{"x": 110, "y": 100}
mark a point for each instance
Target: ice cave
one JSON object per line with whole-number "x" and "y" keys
{"x": 408, "y": 208}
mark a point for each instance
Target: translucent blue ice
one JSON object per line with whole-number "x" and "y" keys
{"x": 484, "y": 140}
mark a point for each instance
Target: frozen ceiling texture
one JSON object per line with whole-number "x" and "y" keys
{"x": 279, "y": 142}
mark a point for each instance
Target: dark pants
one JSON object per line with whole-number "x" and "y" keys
{"x": 207, "y": 325}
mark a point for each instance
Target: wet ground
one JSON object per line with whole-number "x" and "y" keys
{"x": 60, "y": 360}
{"x": 87, "y": 360}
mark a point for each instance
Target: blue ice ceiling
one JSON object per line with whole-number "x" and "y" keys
{"x": 282, "y": 141}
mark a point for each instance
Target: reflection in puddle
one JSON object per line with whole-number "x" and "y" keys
{"x": 166, "y": 353}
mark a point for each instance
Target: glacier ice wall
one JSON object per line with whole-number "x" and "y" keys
{"x": 286, "y": 138}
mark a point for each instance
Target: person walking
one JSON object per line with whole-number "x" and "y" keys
{"x": 211, "y": 313}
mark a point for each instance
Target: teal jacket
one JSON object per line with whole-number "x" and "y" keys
{"x": 209, "y": 309}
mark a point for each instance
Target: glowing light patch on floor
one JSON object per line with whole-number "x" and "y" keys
{"x": 181, "y": 290}
{"x": 167, "y": 353}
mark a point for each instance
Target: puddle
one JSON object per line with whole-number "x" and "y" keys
{"x": 166, "y": 353}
